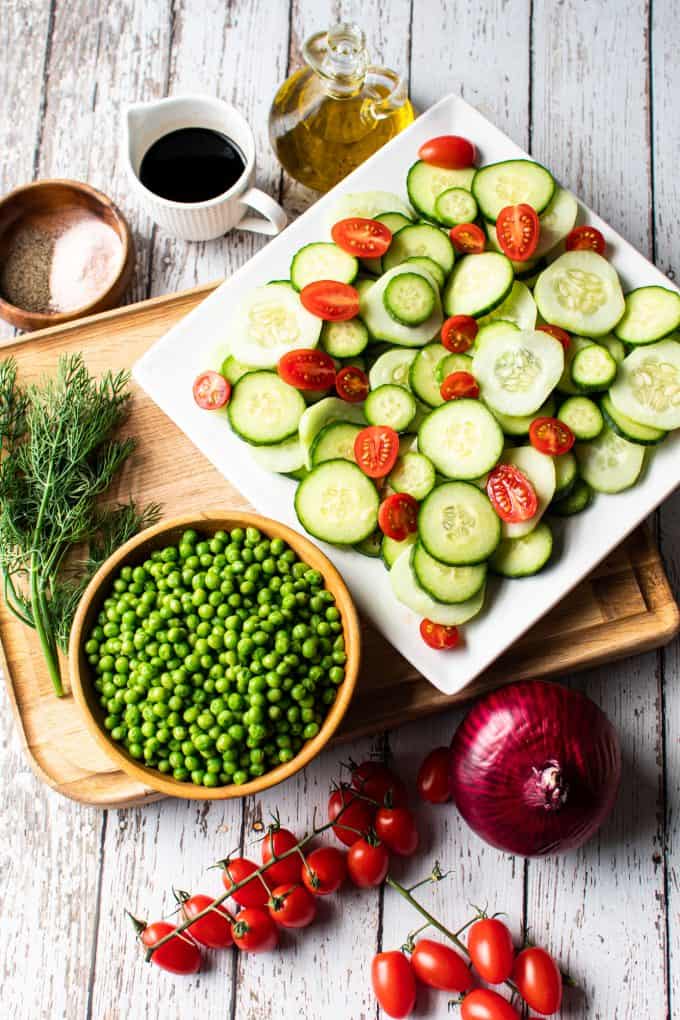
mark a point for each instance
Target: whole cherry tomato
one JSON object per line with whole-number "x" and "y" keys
{"x": 491, "y": 950}
{"x": 362, "y": 237}
{"x": 351, "y": 384}
{"x": 213, "y": 930}
{"x": 292, "y": 906}
{"x": 512, "y": 495}
{"x": 453, "y": 152}
{"x": 439, "y": 635}
{"x": 394, "y": 983}
{"x": 538, "y": 979}
{"x": 551, "y": 436}
{"x": 367, "y": 862}
{"x": 458, "y": 333}
{"x": 180, "y": 955}
{"x": 307, "y": 369}
{"x": 441, "y": 967}
{"x": 377, "y": 781}
{"x": 236, "y": 870}
{"x": 376, "y": 449}
{"x": 254, "y": 931}
{"x": 324, "y": 870}
{"x": 434, "y": 776}
{"x": 211, "y": 391}
{"x": 483, "y": 1004}
{"x": 396, "y": 827}
{"x": 517, "y": 230}
{"x": 356, "y": 818}
{"x": 330, "y": 300}
{"x": 398, "y": 516}
{"x": 286, "y": 872}
{"x": 467, "y": 239}
{"x": 585, "y": 238}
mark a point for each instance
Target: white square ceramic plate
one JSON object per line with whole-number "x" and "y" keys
{"x": 169, "y": 367}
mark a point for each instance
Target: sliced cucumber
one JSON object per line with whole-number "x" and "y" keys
{"x": 457, "y": 524}
{"x": 452, "y": 363}
{"x": 556, "y": 221}
{"x": 363, "y": 286}
{"x": 455, "y": 205}
{"x": 409, "y": 298}
{"x": 281, "y": 458}
{"x": 580, "y": 291}
{"x": 391, "y": 550}
{"x": 380, "y": 323}
{"x": 540, "y": 470}
{"x": 423, "y": 374}
{"x": 651, "y": 314}
{"x": 593, "y": 369}
{"x": 522, "y": 557}
{"x": 566, "y": 473}
{"x": 432, "y": 267}
{"x": 610, "y": 463}
{"x": 425, "y": 183}
{"x": 518, "y": 371}
{"x": 322, "y": 260}
{"x": 390, "y": 405}
{"x": 462, "y": 439}
{"x": 478, "y": 284}
{"x": 369, "y": 205}
{"x": 337, "y": 503}
{"x": 420, "y": 239}
{"x": 264, "y": 409}
{"x": 512, "y": 182}
{"x": 371, "y": 546}
{"x": 576, "y": 344}
{"x": 394, "y": 221}
{"x": 624, "y": 426}
{"x": 519, "y": 308}
{"x": 393, "y": 366}
{"x": 614, "y": 346}
{"x": 335, "y": 441}
{"x": 409, "y": 593}
{"x": 325, "y": 411}
{"x": 232, "y": 370}
{"x": 647, "y": 388}
{"x": 422, "y": 411}
{"x": 518, "y": 425}
{"x": 344, "y": 339}
{"x": 413, "y": 474}
{"x": 497, "y": 327}
{"x": 520, "y": 269}
{"x": 443, "y": 582}
{"x": 579, "y": 499}
{"x": 268, "y": 323}
{"x": 583, "y": 417}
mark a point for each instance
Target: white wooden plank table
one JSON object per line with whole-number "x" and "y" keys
{"x": 591, "y": 86}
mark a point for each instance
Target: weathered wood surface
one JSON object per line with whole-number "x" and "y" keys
{"x": 592, "y": 87}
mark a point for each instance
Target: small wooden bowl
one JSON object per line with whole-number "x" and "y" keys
{"x": 34, "y": 202}
{"x": 136, "y": 551}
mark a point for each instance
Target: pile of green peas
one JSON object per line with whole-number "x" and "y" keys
{"x": 217, "y": 658}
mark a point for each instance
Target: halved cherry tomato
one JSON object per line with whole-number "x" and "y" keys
{"x": 433, "y": 782}
{"x": 356, "y": 818}
{"x": 211, "y": 391}
{"x": 254, "y": 931}
{"x": 468, "y": 239}
{"x": 517, "y": 230}
{"x": 324, "y": 870}
{"x": 330, "y": 300}
{"x": 458, "y": 333}
{"x": 538, "y": 979}
{"x": 511, "y": 493}
{"x": 376, "y": 449}
{"x": 585, "y": 238}
{"x": 439, "y": 966}
{"x": 491, "y": 950}
{"x": 483, "y": 1004}
{"x": 238, "y": 869}
{"x": 375, "y": 780}
{"x": 286, "y": 872}
{"x": 398, "y": 516}
{"x": 459, "y": 384}
{"x": 438, "y": 635}
{"x": 557, "y": 332}
{"x": 292, "y": 906}
{"x": 396, "y": 827}
{"x": 367, "y": 862}
{"x": 449, "y": 151}
{"x": 307, "y": 369}
{"x": 213, "y": 930}
{"x": 364, "y": 238}
{"x": 394, "y": 983}
{"x": 551, "y": 436}
{"x": 351, "y": 384}
{"x": 180, "y": 955}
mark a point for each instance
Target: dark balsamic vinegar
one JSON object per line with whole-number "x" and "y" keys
{"x": 191, "y": 165}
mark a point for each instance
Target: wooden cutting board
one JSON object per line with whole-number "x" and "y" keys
{"x": 625, "y": 606}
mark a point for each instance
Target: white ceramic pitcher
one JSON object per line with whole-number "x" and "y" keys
{"x": 145, "y": 123}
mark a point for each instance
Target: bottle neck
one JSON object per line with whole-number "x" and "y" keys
{"x": 339, "y": 58}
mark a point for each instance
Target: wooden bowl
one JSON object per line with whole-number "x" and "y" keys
{"x": 36, "y": 202}
{"x": 136, "y": 551}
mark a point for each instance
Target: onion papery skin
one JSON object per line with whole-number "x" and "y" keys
{"x": 535, "y": 768}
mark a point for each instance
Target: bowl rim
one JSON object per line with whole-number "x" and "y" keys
{"x": 227, "y": 518}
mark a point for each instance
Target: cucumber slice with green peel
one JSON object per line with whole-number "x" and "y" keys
{"x": 556, "y": 221}
{"x": 540, "y": 470}
{"x": 566, "y": 473}
{"x": 530, "y": 277}
{"x": 462, "y": 439}
{"x": 409, "y": 299}
{"x": 498, "y": 327}
{"x": 518, "y": 371}
{"x": 610, "y": 463}
{"x": 582, "y": 416}
{"x": 298, "y": 475}
{"x": 522, "y": 557}
{"x": 446, "y": 583}
{"x": 337, "y": 503}
{"x": 335, "y": 441}
{"x": 452, "y": 363}
{"x": 478, "y": 284}
{"x": 413, "y": 474}
{"x": 280, "y": 458}
{"x": 264, "y": 409}
{"x": 647, "y": 387}
{"x": 363, "y": 286}
{"x": 593, "y": 369}
{"x": 624, "y": 426}
{"x": 369, "y": 205}
{"x": 371, "y": 546}
{"x": 518, "y": 425}
{"x": 394, "y": 221}
{"x": 520, "y": 269}
{"x": 409, "y": 593}
{"x": 268, "y": 323}
{"x": 390, "y": 405}
{"x": 614, "y": 346}
{"x": 579, "y": 499}
{"x": 432, "y": 267}
{"x": 322, "y": 260}
{"x": 380, "y": 323}
{"x": 420, "y": 239}
{"x": 425, "y": 183}
{"x": 576, "y": 344}
{"x": 512, "y": 182}
{"x": 344, "y": 339}
{"x": 393, "y": 366}
{"x": 651, "y": 314}
{"x": 423, "y": 375}
{"x": 422, "y": 411}
{"x": 580, "y": 291}
{"x": 457, "y": 524}
{"x": 232, "y": 369}
{"x": 391, "y": 550}
{"x": 518, "y": 308}
{"x": 455, "y": 205}
{"x": 327, "y": 410}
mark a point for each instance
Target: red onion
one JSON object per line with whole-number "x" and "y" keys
{"x": 535, "y": 768}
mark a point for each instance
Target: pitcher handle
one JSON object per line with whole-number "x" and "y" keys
{"x": 272, "y": 218}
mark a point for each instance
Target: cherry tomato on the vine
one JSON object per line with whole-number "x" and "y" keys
{"x": 180, "y": 955}
{"x": 511, "y": 493}
{"x": 254, "y": 930}
{"x": 396, "y": 827}
{"x": 434, "y": 784}
{"x": 278, "y": 841}
{"x": 458, "y": 333}
{"x": 398, "y": 516}
{"x": 557, "y": 332}
{"x": 439, "y": 635}
{"x": 376, "y": 449}
{"x": 538, "y": 979}
{"x": 551, "y": 436}
{"x": 439, "y": 966}
{"x": 394, "y": 983}
{"x": 367, "y": 862}
{"x": 585, "y": 238}
{"x": 483, "y": 1004}
{"x": 452, "y": 152}
{"x": 324, "y": 870}
{"x": 351, "y": 384}
{"x": 236, "y": 870}
{"x": 213, "y": 930}
{"x": 377, "y": 781}
{"x": 468, "y": 239}
{"x": 211, "y": 391}
{"x": 330, "y": 300}
{"x": 356, "y": 818}
{"x": 517, "y": 230}
{"x": 364, "y": 238}
{"x": 292, "y": 906}
{"x": 307, "y": 369}
{"x": 459, "y": 384}
{"x": 491, "y": 950}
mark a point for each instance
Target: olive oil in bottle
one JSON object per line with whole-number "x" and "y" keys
{"x": 331, "y": 115}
